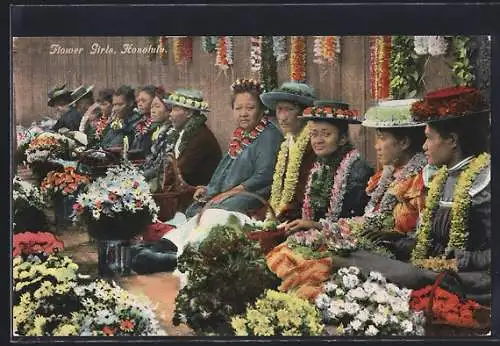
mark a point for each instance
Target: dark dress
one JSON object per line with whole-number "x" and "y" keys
{"x": 114, "y": 138}
{"x": 143, "y": 142}
{"x": 70, "y": 120}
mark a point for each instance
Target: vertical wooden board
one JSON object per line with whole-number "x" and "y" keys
{"x": 437, "y": 73}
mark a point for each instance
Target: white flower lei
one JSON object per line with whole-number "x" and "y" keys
{"x": 279, "y": 48}
{"x": 433, "y": 45}
{"x": 256, "y": 53}
{"x": 318, "y": 54}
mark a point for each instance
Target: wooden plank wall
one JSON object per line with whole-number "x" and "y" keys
{"x": 35, "y": 71}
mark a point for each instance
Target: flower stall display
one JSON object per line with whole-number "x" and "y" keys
{"x": 355, "y": 305}
{"x": 28, "y": 243}
{"x": 27, "y": 206}
{"x": 23, "y": 138}
{"x": 279, "y": 314}
{"x": 224, "y": 273}
{"x": 116, "y": 206}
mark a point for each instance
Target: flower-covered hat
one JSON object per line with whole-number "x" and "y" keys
{"x": 188, "y": 98}
{"x": 58, "y": 92}
{"x": 449, "y": 103}
{"x": 391, "y": 114}
{"x": 289, "y": 91}
{"x": 242, "y": 85}
{"x": 331, "y": 111}
{"x": 80, "y": 92}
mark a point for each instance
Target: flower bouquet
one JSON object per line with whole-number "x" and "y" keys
{"x": 42, "y": 149}
{"x": 279, "y": 314}
{"x": 224, "y": 273}
{"x": 29, "y": 243}
{"x": 355, "y": 305}
{"x": 23, "y": 139}
{"x": 27, "y": 206}
{"x": 117, "y": 206}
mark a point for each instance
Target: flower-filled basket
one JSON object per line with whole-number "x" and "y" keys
{"x": 27, "y": 206}
{"x": 44, "y": 148}
{"x": 448, "y": 314}
{"x": 118, "y": 206}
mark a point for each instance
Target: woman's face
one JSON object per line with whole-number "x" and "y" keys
{"x": 179, "y": 116}
{"x": 438, "y": 150}
{"x": 120, "y": 106}
{"x": 144, "y": 101}
{"x": 159, "y": 112}
{"x": 246, "y": 111}
{"x": 286, "y": 114}
{"x": 389, "y": 149}
{"x": 325, "y": 138}
{"x": 106, "y": 107}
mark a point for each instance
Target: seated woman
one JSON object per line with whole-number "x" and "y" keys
{"x": 162, "y": 144}
{"x": 249, "y": 162}
{"x": 335, "y": 189}
{"x": 124, "y": 119}
{"x": 296, "y": 157}
{"x": 145, "y": 127}
{"x": 97, "y": 117}
{"x": 455, "y": 226}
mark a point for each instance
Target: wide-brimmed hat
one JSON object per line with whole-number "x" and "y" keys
{"x": 56, "y": 93}
{"x": 80, "y": 92}
{"x": 449, "y": 103}
{"x": 293, "y": 92}
{"x": 391, "y": 114}
{"x": 188, "y": 98}
{"x": 324, "y": 110}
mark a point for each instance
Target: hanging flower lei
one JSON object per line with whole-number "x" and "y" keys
{"x": 255, "y": 53}
{"x": 383, "y": 194}
{"x": 380, "y": 55}
{"x": 325, "y": 49}
{"x": 437, "y": 45}
{"x": 318, "y": 50}
{"x": 178, "y": 49}
{"x": 187, "y": 51}
{"x": 283, "y": 192}
{"x": 421, "y": 45}
{"x": 163, "y": 48}
{"x": 209, "y": 43}
{"x": 335, "y": 189}
{"x": 224, "y": 56}
{"x": 298, "y": 59}
{"x": 143, "y": 126}
{"x": 279, "y": 48}
{"x": 459, "y": 210}
{"x": 242, "y": 138}
{"x": 101, "y": 124}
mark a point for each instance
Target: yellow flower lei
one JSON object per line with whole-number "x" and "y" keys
{"x": 459, "y": 210}
{"x": 281, "y": 195}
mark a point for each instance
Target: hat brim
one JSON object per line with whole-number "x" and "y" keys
{"x": 330, "y": 119}
{"x": 271, "y": 98}
{"x": 390, "y": 124}
{"x": 89, "y": 89}
{"x": 175, "y": 103}
{"x": 452, "y": 117}
{"x": 51, "y": 101}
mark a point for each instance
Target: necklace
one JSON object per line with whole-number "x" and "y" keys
{"x": 242, "y": 138}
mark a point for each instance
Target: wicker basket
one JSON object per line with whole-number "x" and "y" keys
{"x": 436, "y": 327}
{"x": 267, "y": 239}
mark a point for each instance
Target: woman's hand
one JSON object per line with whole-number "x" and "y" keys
{"x": 200, "y": 193}
{"x": 300, "y": 224}
{"x": 228, "y": 193}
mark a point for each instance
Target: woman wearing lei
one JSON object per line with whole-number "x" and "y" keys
{"x": 335, "y": 188}
{"x": 396, "y": 191}
{"x": 296, "y": 157}
{"x": 246, "y": 166}
{"x": 455, "y": 227}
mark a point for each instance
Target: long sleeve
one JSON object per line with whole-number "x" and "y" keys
{"x": 356, "y": 197}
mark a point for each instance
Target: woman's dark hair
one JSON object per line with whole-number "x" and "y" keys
{"x": 63, "y": 99}
{"x": 416, "y": 135}
{"x": 151, "y": 90}
{"x": 126, "y": 92}
{"x": 342, "y": 126}
{"x": 105, "y": 95}
{"x": 250, "y": 86}
{"x": 473, "y": 132}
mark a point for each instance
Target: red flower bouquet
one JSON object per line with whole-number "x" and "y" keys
{"x": 31, "y": 243}
{"x": 63, "y": 183}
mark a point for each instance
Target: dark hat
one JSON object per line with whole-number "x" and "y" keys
{"x": 80, "y": 92}
{"x": 57, "y": 93}
{"x": 449, "y": 103}
{"x": 289, "y": 91}
{"x": 331, "y": 111}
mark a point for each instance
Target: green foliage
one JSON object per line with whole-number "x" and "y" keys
{"x": 463, "y": 71}
{"x": 225, "y": 272}
{"x": 406, "y": 68}
{"x": 269, "y": 70}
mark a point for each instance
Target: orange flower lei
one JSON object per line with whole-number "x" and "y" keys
{"x": 298, "y": 59}
{"x": 224, "y": 56}
{"x": 178, "y": 48}
{"x": 163, "y": 44}
{"x": 380, "y": 54}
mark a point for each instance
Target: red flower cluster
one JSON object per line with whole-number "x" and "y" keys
{"x": 242, "y": 138}
{"x": 66, "y": 182}
{"x": 448, "y": 102}
{"x": 330, "y": 112}
{"x": 447, "y": 308}
{"x": 31, "y": 243}
{"x": 100, "y": 125}
{"x": 143, "y": 126}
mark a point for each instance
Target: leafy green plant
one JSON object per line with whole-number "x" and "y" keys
{"x": 224, "y": 273}
{"x": 463, "y": 70}
{"x": 406, "y": 68}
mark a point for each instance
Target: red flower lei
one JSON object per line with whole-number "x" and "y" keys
{"x": 242, "y": 138}
{"x": 143, "y": 125}
{"x": 100, "y": 125}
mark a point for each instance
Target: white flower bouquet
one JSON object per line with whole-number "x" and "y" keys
{"x": 357, "y": 306}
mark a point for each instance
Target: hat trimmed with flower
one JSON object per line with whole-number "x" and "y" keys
{"x": 58, "y": 92}
{"x": 449, "y": 103}
{"x": 391, "y": 114}
{"x": 188, "y": 98}
{"x": 293, "y": 92}
{"x": 331, "y": 111}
